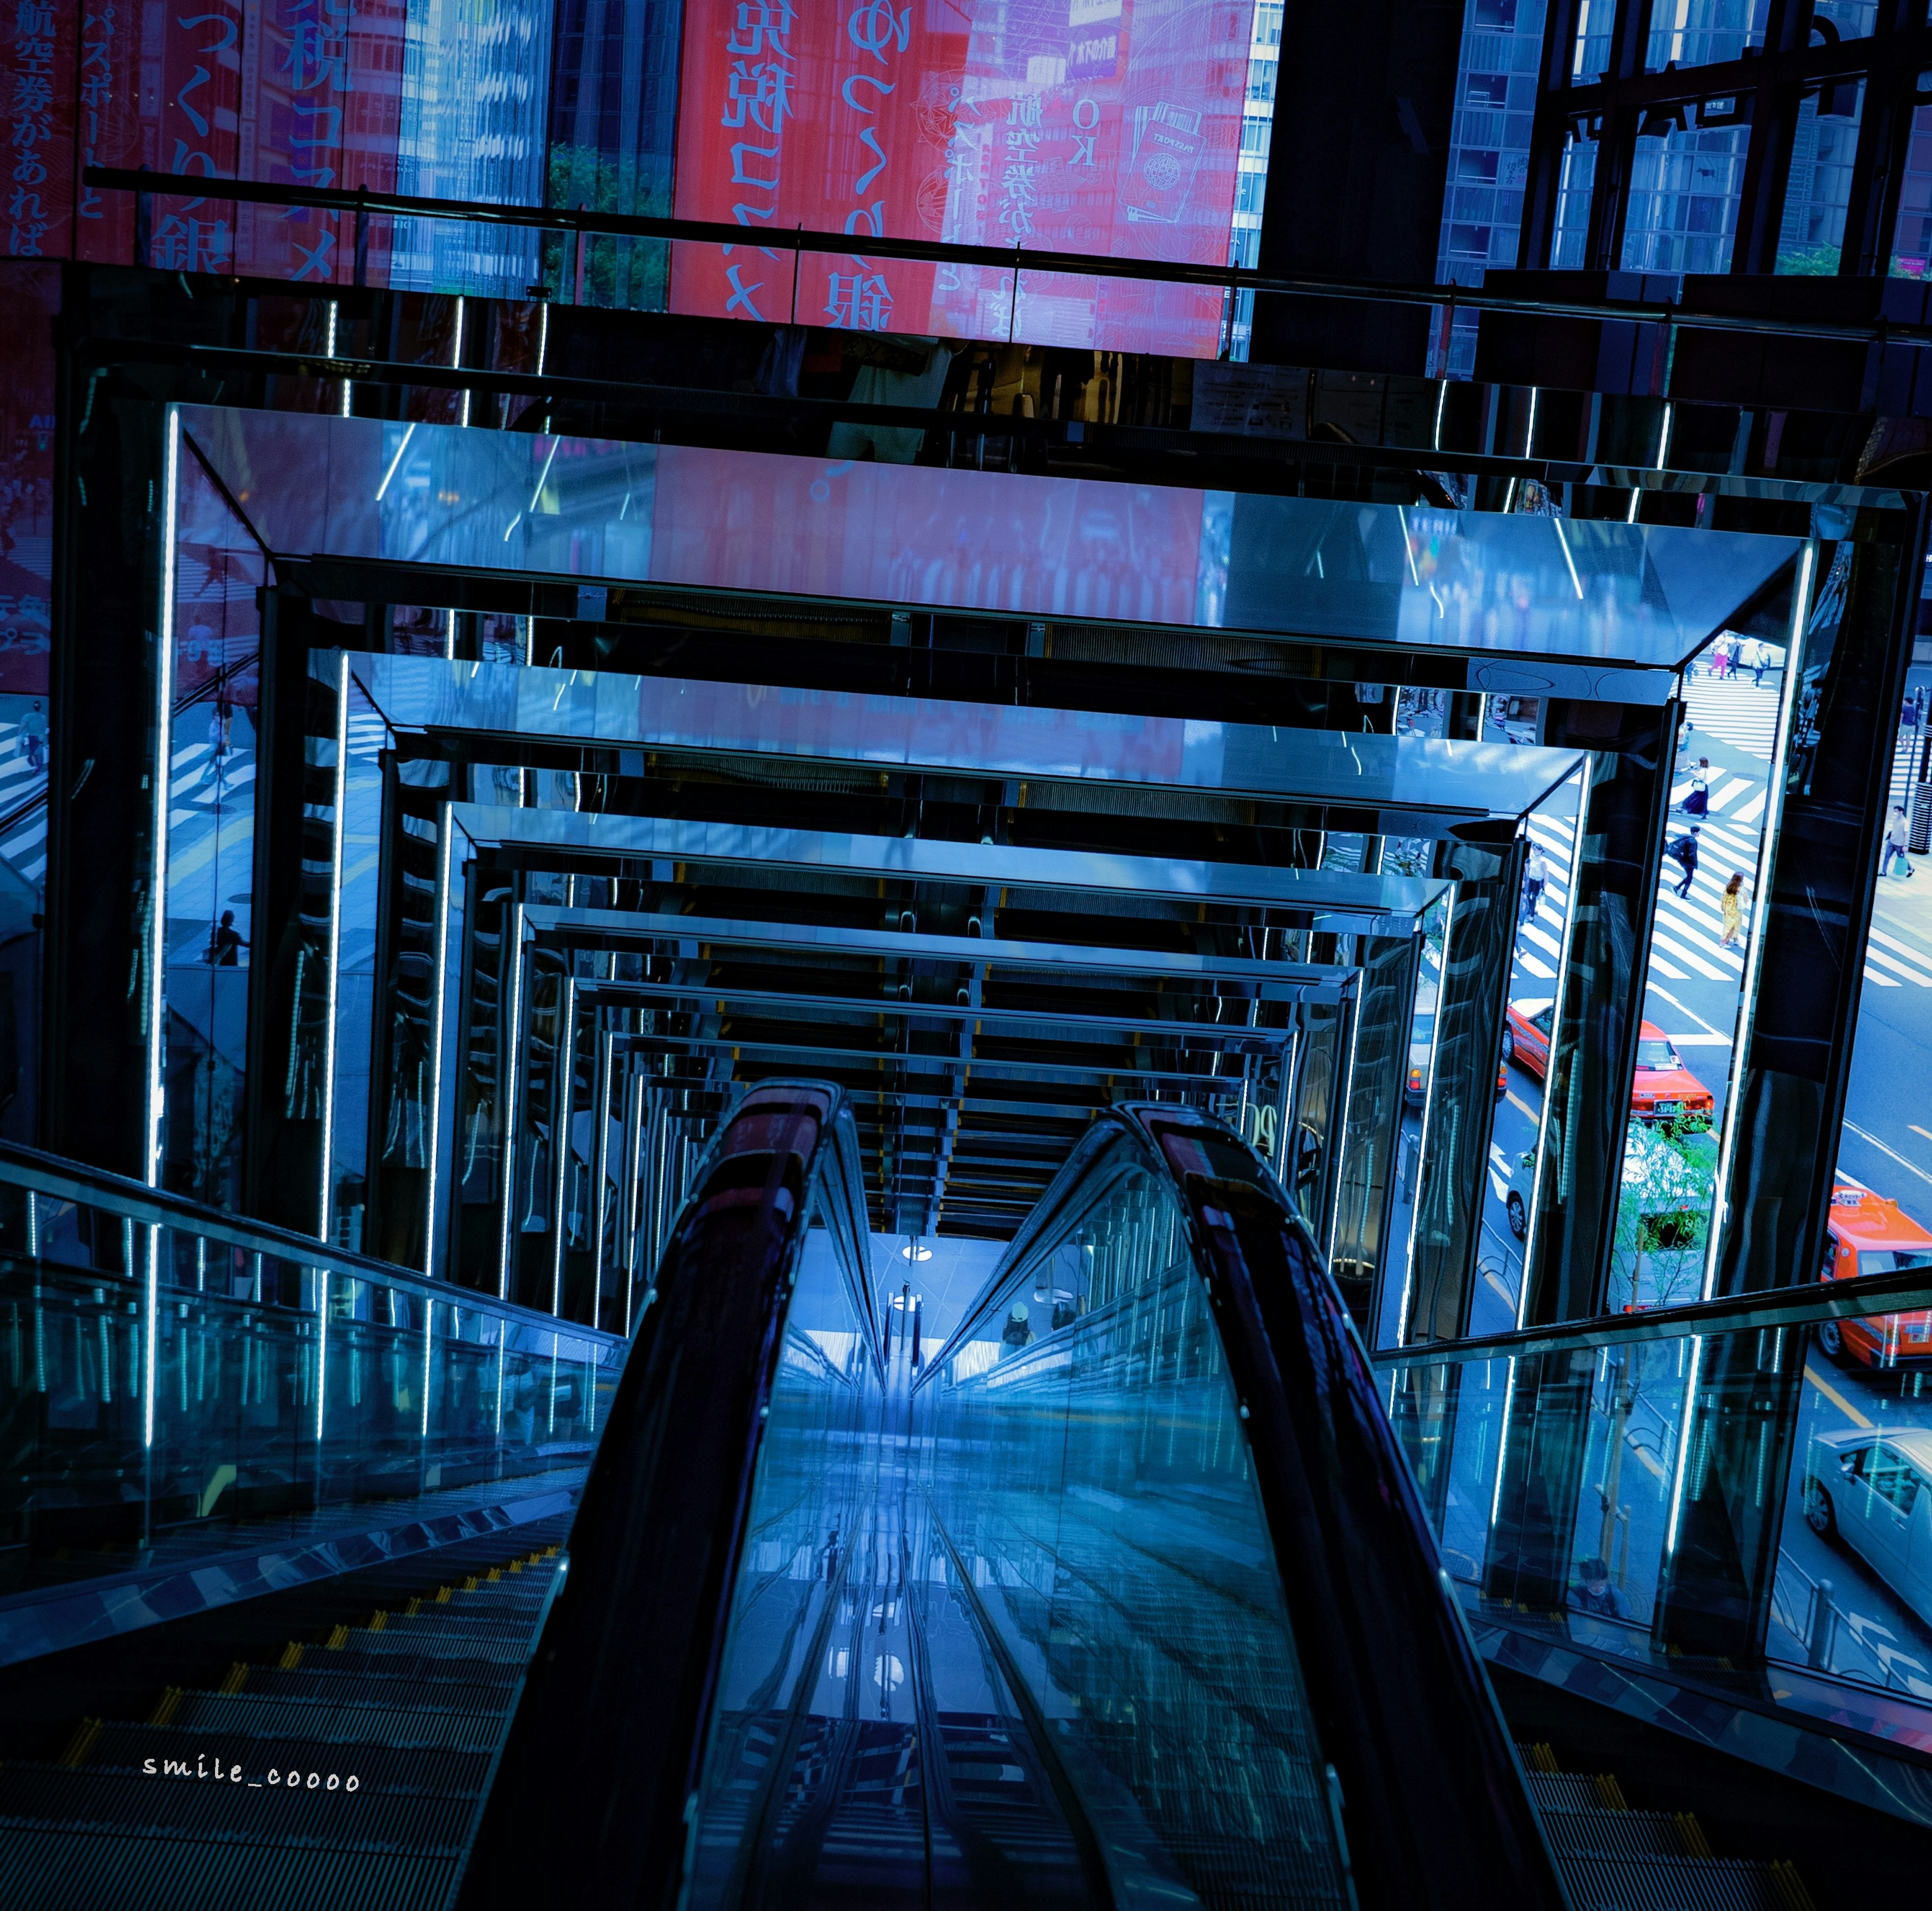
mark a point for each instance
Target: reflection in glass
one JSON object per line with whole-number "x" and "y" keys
{"x": 214, "y": 673}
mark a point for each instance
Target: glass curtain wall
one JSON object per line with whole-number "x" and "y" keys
{"x": 211, "y": 687}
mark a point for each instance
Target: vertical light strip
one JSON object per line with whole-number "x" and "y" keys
{"x": 1341, "y": 1141}
{"x": 163, "y": 773}
{"x": 1774, "y": 814}
{"x": 1689, "y": 1409}
{"x": 512, "y": 1041}
{"x": 1502, "y": 1437}
{"x": 563, "y": 1103}
{"x": 600, "y": 1165}
{"x": 438, "y": 1001}
{"x": 321, "y": 1360}
{"x": 1534, "y": 1204}
{"x": 341, "y": 796}
{"x": 429, "y": 1330}
{"x": 1428, "y": 1112}
{"x": 150, "y": 1377}
{"x": 456, "y": 360}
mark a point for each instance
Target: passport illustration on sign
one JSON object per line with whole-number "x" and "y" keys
{"x": 1167, "y": 149}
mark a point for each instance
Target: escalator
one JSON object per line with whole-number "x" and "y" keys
{"x": 1121, "y": 1597}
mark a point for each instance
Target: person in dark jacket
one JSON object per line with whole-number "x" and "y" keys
{"x": 1685, "y": 851}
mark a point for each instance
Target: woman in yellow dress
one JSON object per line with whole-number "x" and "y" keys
{"x": 1733, "y": 906}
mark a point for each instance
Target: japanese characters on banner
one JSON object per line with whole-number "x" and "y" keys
{"x": 299, "y": 91}
{"x": 1110, "y": 127}
{"x": 29, "y": 298}
{"x": 39, "y": 95}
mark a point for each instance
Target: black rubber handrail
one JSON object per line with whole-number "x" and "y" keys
{"x": 1233, "y": 278}
{"x": 591, "y": 1801}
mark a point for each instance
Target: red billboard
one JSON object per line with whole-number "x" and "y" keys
{"x": 1106, "y": 127}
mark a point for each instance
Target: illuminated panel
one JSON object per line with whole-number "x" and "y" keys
{"x": 1110, "y": 127}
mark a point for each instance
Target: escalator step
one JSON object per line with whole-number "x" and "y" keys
{"x": 1576, "y": 1791}
{"x": 64, "y": 1870}
{"x": 49, "y": 1797}
{"x": 396, "y": 1643}
{"x": 383, "y": 1767}
{"x": 485, "y": 1689}
{"x": 1618, "y": 1833}
{"x": 1679, "y": 1884}
{"x": 242, "y": 1717}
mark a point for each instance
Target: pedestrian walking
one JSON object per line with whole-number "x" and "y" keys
{"x": 1733, "y": 903}
{"x": 1720, "y": 659}
{"x": 1685, "y": 849}
{"x": 34, "y": 737}
{"x": 1698, "y": 803}
{"x": 226, "y": 942}
{"x": 1897, "y": 842}
{"x": 1535, "y": 875}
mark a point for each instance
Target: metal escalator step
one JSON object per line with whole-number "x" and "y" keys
{"x": 1674, "y": 1884}
{"x": 50, "y": 1797}
{"x": 1573, "y": 1791}
{"x": 63, "y": 1871}
{"x": 383, "y": 1767}
{"x": 245, "y": 1718}
{"x": 322, "y": 1671}
{"x": 1617, "y": 1833}
{"x": 431, "y": 1642}
{"x": 351, "y": 1688}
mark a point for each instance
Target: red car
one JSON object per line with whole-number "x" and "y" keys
{"x": 1663, "y": 1089}
{"x": 1866, "y": 1234}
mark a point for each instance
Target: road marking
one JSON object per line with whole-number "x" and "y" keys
{"x": 1884, "y": 982}
{"x": 1917, "y": 1130}
{"x": 1904, "y": 949}
{"x": 1644, "y": 1453}
{"x": 1515, "y": 1101}
{"x": 1836, "y": 1398}
{"x": 1509, "y": 1299}
{"x": 1688, "y": 1010}
{"x": 1893, "y": 1152}
{"x": 1905, "y": 969}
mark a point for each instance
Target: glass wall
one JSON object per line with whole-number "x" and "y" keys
{"x": 214, "y": 704}
{"x": 1700, "y": 950}
{"x": 165, "y": 1391}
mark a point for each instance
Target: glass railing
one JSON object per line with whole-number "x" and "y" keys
{"x": 1742, "y": 1489}
{"x": 175, "y": 1382}
{"x": 1163, "y": 1510}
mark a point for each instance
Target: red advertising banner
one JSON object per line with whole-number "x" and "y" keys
{"x": 29, "y": 299}
{"x": 37, "y": 54}
{"x": 1110, "y": 127}
{"x": 321, "y": 106}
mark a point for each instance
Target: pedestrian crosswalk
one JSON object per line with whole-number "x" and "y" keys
{"x": 23, "y": 805}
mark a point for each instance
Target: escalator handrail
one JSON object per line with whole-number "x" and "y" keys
{"x": 596, "y": 1786}
{"x": 1859, "y": 1298}
{"x": 59, "y": 1178}
{"x": 1435, "y": 1804}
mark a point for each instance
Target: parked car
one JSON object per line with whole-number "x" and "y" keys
{"x": 1868, "y": 1489}
{"x": 1865, "y": 1233}
{"x": 1662, "y": 1090}
{"x": 1421, "y": 1046}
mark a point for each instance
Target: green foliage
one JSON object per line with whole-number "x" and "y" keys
{"x": 633, "y": 274}
{"x": 1812, "y": 261}
{"x": 1663, "y": 1215}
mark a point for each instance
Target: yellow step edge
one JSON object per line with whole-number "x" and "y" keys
{"x": 82, "y": 1742}
{"x": 471, "y": 1583}
{"x": 1696, "y": 1845}
{"x": 291, "y": 1655}
{"x": 412, "y": 1609}
{"x": 1611, "y": 1793}
{"x": 377, "y": 1621}
{"x": 1790, "y": 1887}
{"x": 165, "y": 1706}
{"x": 338, "y": 1639}
{"x": 1541, "y": 1758}
{"x": 442, "y": 1595}
{"x": 496, "y": 1573}
{"x": 237, "y": 1677}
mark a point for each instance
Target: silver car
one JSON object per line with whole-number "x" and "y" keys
{"x": 1869, "y": 1488}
